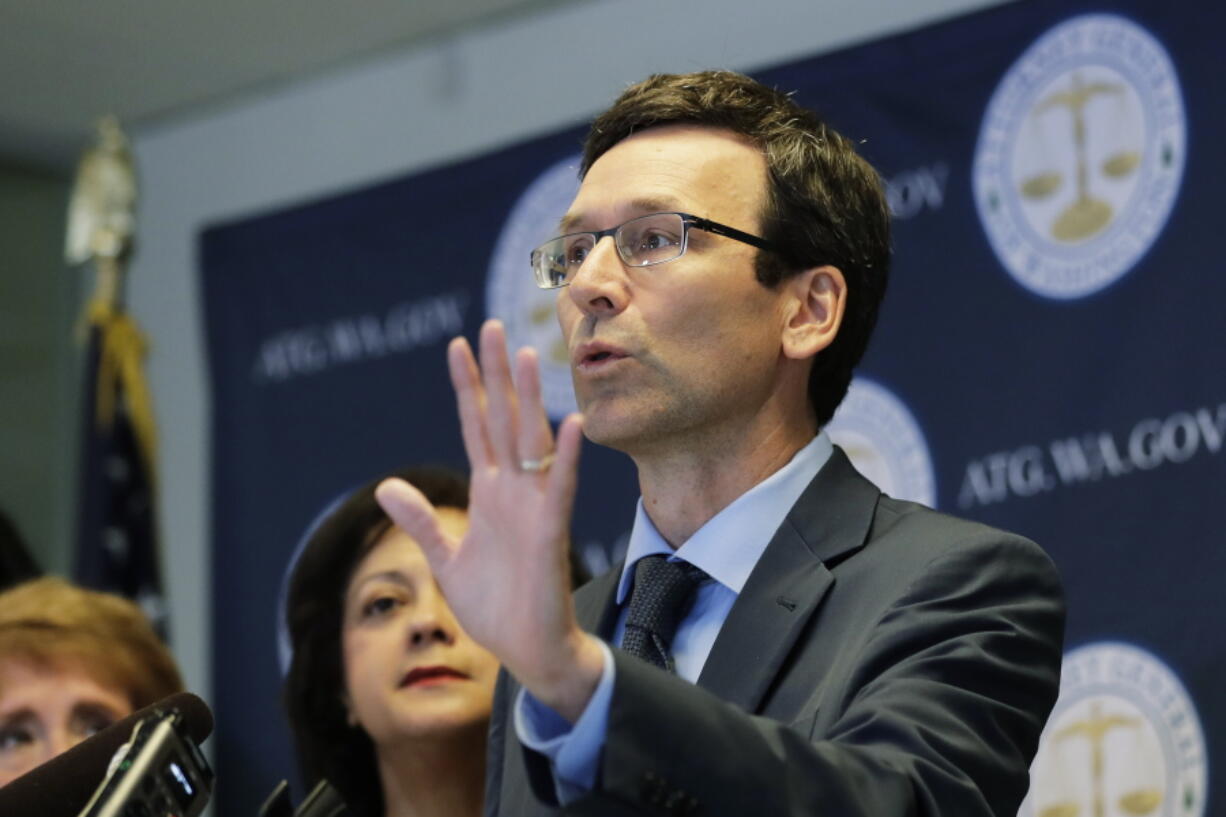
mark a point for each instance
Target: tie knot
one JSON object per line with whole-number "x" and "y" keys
{"x": 663, "y": 594}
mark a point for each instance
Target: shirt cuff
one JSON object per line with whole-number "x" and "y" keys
{"x": 573, "y": 751}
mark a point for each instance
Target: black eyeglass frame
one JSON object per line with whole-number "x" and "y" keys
{"x": 688, "y": 221}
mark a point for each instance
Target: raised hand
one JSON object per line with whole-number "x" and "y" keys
{"x": 508, "y": 579}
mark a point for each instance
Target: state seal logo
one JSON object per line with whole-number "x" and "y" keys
{"x": 1124, "y": 740}
{"x": 511, "y": 295}
{"x": 884, "y": 442}
{"x": 1080, "y": 155}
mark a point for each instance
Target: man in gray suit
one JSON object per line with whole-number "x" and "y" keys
{"x": 783, "y": 639}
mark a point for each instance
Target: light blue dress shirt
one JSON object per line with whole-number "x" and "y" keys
{"x": 727, "y": 547}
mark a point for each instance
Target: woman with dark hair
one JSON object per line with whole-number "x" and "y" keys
{"x": 389, "y": 700}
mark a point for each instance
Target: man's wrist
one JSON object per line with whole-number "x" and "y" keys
{"x": 569, "y": 687}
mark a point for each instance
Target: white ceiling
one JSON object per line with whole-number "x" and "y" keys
{"x": 62, "y": 64}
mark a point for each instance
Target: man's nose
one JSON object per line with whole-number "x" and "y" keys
{"x": 599, "y": 285}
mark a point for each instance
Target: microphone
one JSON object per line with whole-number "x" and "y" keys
{"x": 65, "y": 784}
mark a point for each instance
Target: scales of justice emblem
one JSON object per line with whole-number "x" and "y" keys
{"x": 529, "y": 313}
{"x": 1086, "y": 214}
{"x": 1080, "y": 155}
{"x": 1123, "y": 741}
{"x": 884, "y": 442}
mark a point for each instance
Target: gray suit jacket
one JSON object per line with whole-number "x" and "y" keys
{"x": 883, "y": 660}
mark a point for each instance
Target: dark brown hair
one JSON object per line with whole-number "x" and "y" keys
{"x": 328, "y": 746}
{"x": 824, "y": 204}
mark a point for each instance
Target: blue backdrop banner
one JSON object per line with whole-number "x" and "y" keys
{"x": 1049, "y": 359}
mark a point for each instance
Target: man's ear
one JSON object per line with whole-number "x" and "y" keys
{"x": 817, "y": 298}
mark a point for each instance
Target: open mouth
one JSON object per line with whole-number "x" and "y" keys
{"x": 597, "y": 354}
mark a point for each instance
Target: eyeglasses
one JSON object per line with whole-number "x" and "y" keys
{"x": 641, "y": 242}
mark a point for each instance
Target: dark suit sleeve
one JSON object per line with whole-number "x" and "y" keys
{"x": 939, "y": 714}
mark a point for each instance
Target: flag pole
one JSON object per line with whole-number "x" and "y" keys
{"x": 116, "y": 547}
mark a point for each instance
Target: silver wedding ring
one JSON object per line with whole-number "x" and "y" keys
{"x": 536, "y": 466}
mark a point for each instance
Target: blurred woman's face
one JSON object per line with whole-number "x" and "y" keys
{"x": 411, "y": 673}
{"x": 46, "y": 710}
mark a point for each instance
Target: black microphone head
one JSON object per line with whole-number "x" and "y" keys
{"x": 63, "y": 785}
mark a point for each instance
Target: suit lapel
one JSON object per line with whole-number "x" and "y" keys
{"x": 594, "y": 604}
{"x": 831, "y": 518}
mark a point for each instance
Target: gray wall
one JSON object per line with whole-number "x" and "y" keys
{"x": 439, "y": 102}
{"x": 38, "y": 363}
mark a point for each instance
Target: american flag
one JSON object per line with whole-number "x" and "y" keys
{"x": 116, "y": 543}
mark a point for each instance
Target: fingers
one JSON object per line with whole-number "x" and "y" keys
{"x": 414, "y": 514}
{"x": 502, "y": 419}
{"x": 501, "y": 405}
{"x": 470, "y": 402}
{"x": 535, "y": 439}
{"x": 564, "y": 475}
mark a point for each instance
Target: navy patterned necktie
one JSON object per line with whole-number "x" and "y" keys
{"x": 663, "y": 594}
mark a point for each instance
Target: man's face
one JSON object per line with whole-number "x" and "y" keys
{"x": 688, "y": 351}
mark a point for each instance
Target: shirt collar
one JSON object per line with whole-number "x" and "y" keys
{"x": 730, "y": 543}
